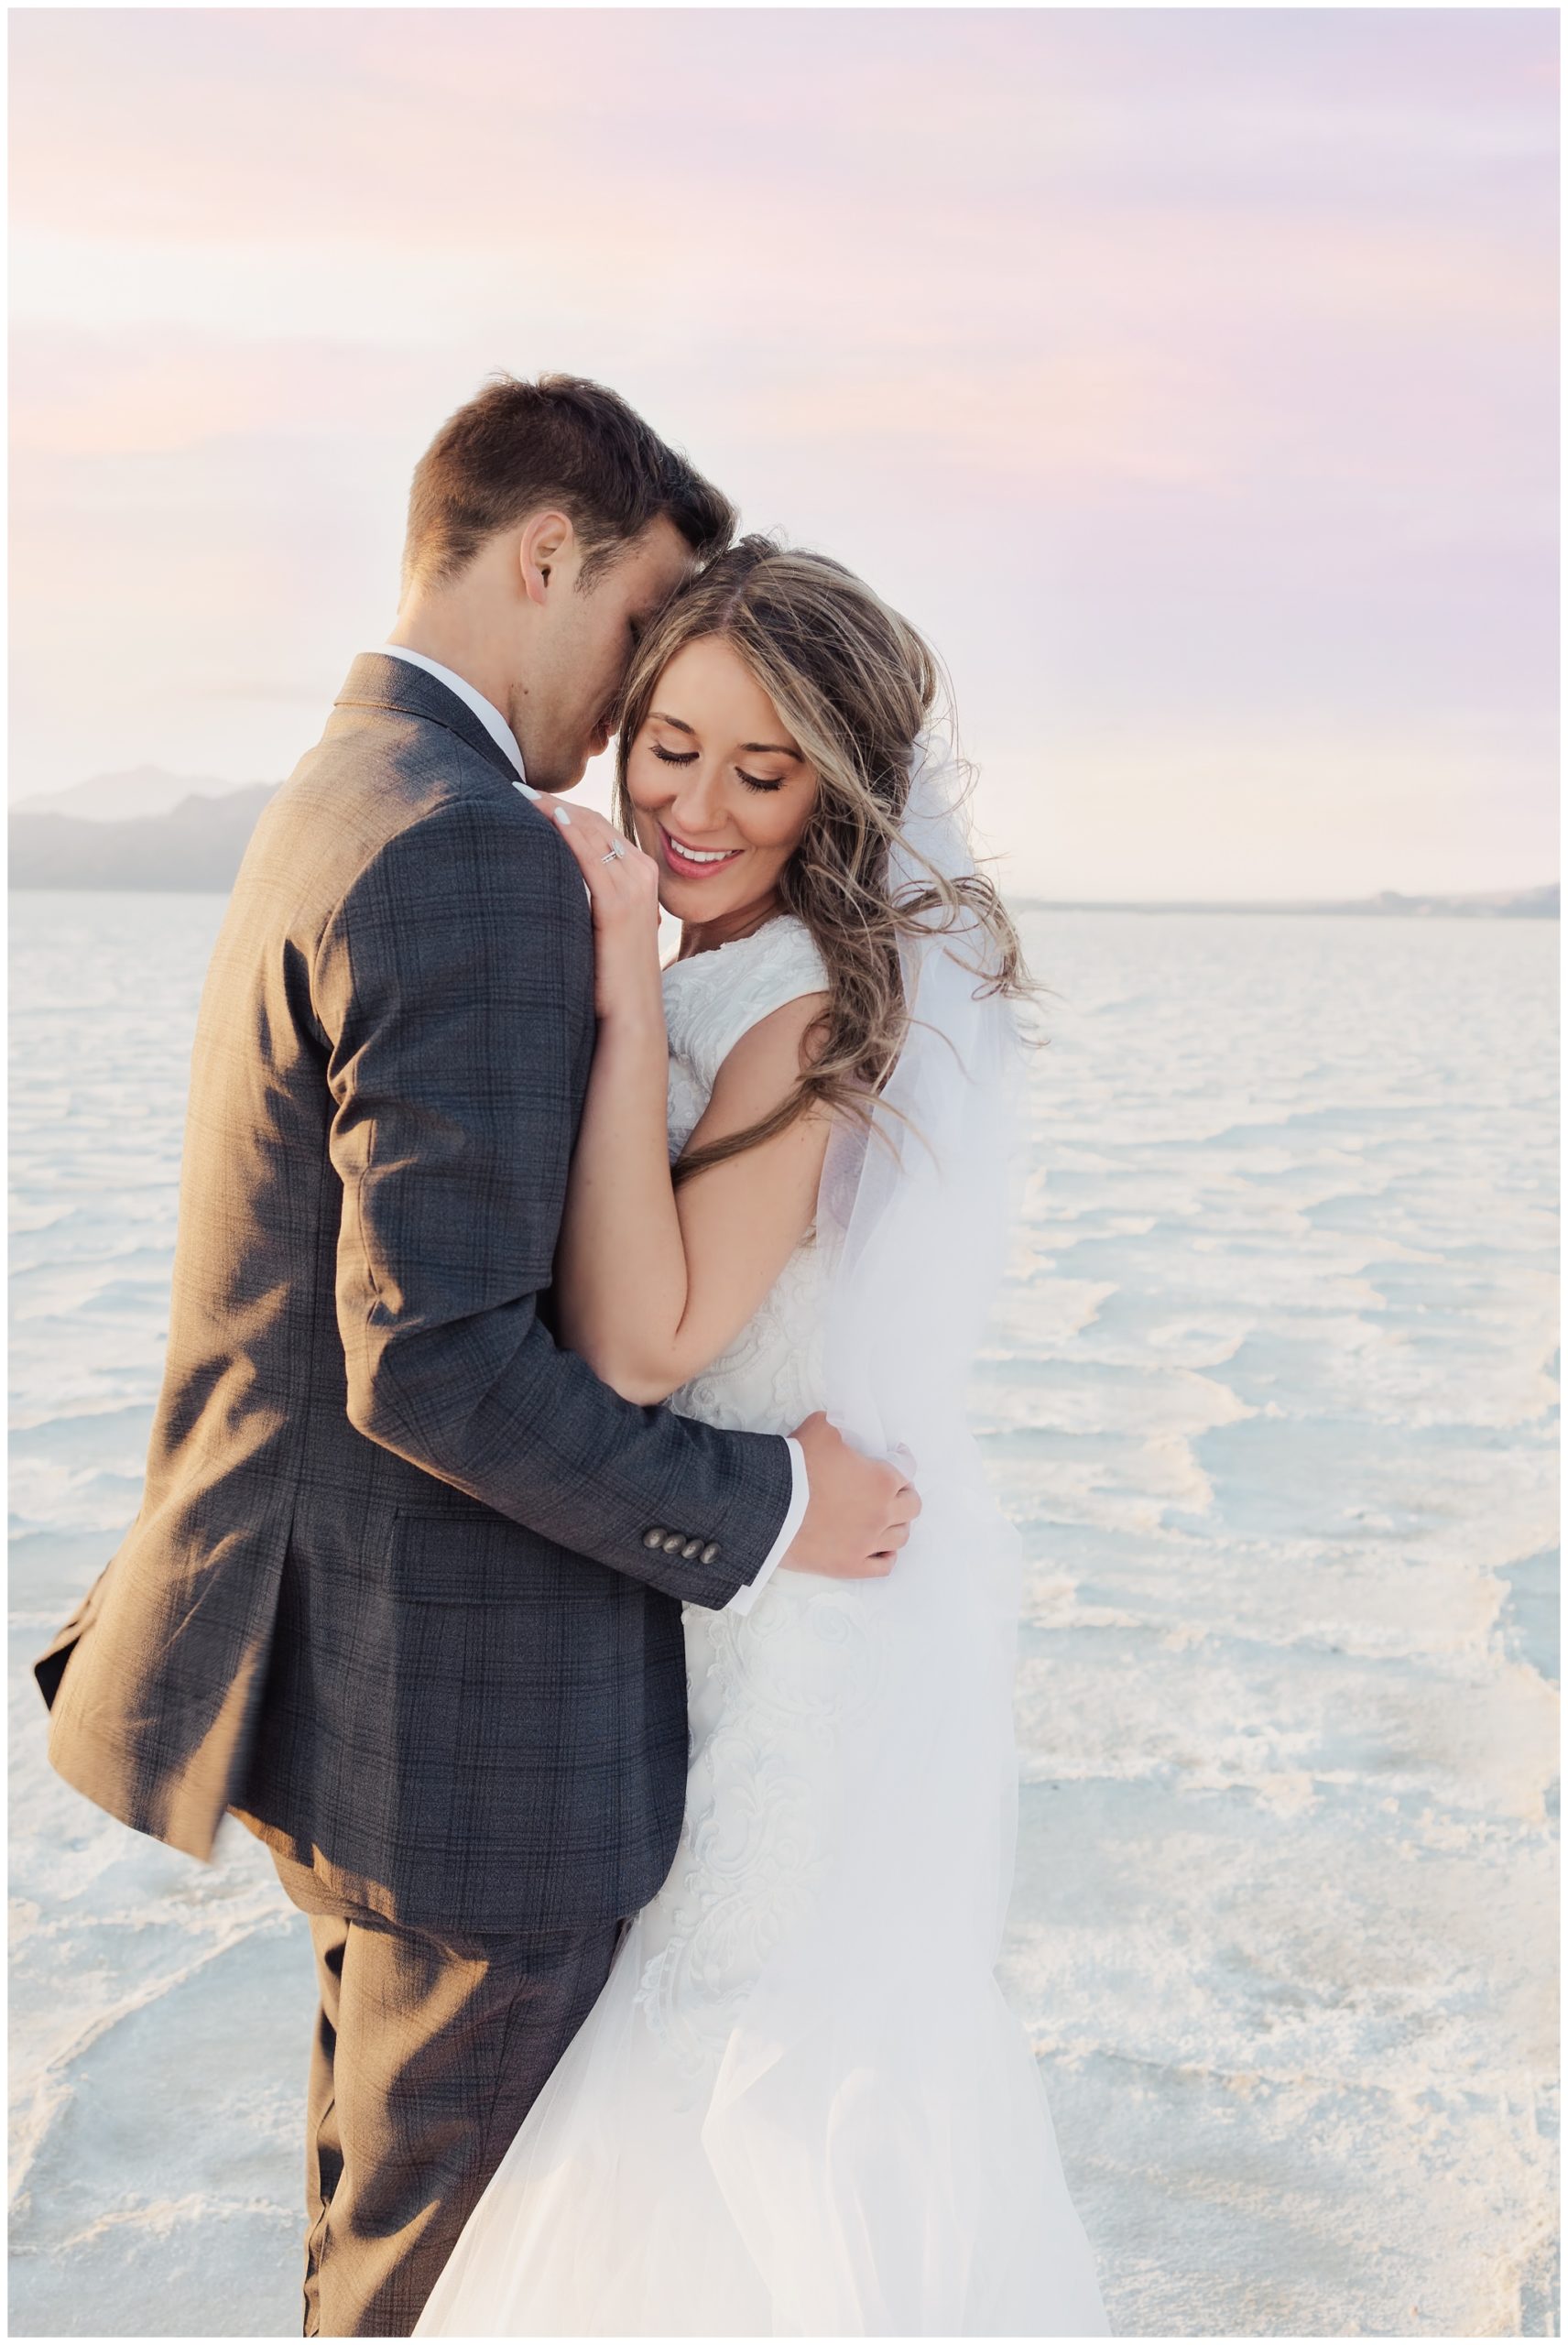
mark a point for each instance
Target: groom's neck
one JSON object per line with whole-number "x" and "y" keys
{"x": 444, "y": 628}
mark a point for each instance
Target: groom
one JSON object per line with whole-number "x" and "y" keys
{"x": 404, "y": 1593}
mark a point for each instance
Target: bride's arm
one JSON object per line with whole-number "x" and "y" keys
{"x": 652, "y": 1283}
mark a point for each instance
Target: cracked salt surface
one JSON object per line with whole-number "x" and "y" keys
{"x": 1271, "y": 1395}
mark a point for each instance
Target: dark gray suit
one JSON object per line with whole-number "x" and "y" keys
{"x": 393, "y": 1596}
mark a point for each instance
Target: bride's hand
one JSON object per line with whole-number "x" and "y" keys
{"x": 623, "y": 887}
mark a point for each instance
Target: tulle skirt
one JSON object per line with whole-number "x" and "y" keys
{"x": 847, "y": 2201}
{"x": 801, "y": 2106}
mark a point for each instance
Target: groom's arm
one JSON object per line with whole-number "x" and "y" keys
{"x": 454, "y": 983}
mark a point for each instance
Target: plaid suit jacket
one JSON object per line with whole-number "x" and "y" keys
{"x": 391, "y": 1596}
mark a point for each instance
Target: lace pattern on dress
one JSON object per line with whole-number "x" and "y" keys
{"x": 712, "y": 1000}
{"x": 768, "y": 1689}
{"x": 767, "y": 1711}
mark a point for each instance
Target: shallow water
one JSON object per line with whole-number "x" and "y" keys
{"x": 1271, "y": 1393}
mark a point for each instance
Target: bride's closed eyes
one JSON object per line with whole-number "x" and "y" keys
{"x": 689, "y": 757}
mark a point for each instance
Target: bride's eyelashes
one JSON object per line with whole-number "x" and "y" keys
{"x": 689, "y": 757}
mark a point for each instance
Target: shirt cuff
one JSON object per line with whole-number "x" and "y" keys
{"x": 744, "y": 1598}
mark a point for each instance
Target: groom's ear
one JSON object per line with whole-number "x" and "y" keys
{"x": 547, "y": 541}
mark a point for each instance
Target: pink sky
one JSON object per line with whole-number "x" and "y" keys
{"x": 1189, "y": 375}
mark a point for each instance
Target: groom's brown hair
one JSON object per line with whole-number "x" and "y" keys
{"x": 562, "y": 442}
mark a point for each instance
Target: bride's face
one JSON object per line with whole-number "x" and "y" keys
{"x": 721, "y": 791}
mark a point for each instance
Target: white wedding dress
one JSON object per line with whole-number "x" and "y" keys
{"x": 756, "y": 2133}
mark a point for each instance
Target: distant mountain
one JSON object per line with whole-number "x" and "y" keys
{"x": 1503, "y": 903}
{"x": 194, "y": 848}
{"x": 193, "y": 845}
{"x": 129, "y": 797}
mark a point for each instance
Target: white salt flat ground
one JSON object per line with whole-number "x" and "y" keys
{"x": 1272, "y": 1396}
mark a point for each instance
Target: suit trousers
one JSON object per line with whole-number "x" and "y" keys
{"x": 428, "y": 2054}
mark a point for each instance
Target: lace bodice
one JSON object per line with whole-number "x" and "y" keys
{"x": 769, "y": 1378}
{"x": 712, "y": 1000}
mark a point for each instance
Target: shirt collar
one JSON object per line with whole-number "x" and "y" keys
{"x": 489, "y": 716}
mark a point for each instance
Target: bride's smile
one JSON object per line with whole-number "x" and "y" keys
{"x": 720, "y": 792}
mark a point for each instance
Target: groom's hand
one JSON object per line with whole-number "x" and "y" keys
{"x": 858, "y": 1512}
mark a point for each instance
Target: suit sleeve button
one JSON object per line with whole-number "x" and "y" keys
{"x": 692, "y": 1549}
{"x": 653, "y": 1538}
{"x": 710, "y": 1552}
{"x": 672, "y": 1543}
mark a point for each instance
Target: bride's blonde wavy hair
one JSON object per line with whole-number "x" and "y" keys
{"x": 855, "y": 682}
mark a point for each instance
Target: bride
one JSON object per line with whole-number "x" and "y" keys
{"x": 801, "y": 2106}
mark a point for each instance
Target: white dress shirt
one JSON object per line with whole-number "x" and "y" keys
{"x": 501, "y": 733}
